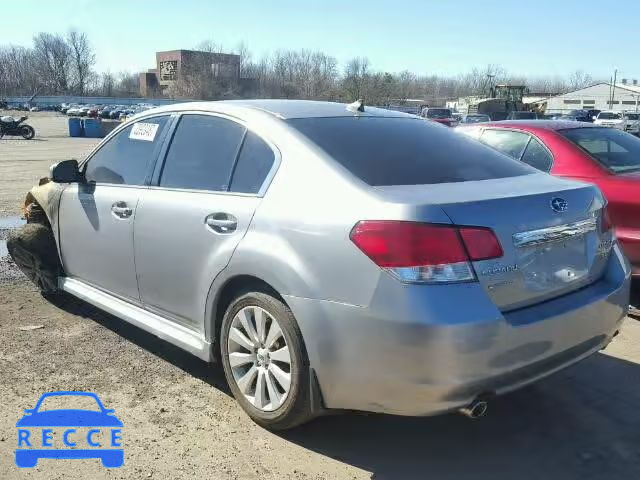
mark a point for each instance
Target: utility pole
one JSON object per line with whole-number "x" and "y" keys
{"x": 613, "y": 90}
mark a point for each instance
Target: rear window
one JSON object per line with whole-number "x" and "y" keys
{"x": 438, "y": 113}
{"x": 609, "y": 116}
{"x": 405, "y": 151}
{"x": 615, "y": 149}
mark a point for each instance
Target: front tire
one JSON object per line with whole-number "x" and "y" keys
{"x": 27, "y": 132}
{"x": 34, "y": 251}
{"x": 265, "y": 361}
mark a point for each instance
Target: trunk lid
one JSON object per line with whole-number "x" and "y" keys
{"x": 548, "y": 250}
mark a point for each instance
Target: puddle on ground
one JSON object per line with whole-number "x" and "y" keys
{"x": 6, "y": 224}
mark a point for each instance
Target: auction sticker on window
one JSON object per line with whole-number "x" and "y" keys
{"x": 144, "y": 131}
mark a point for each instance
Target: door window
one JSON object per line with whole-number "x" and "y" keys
{"x": 202, "y": 153}
{"x": 254, "y": 163}
{"x": 125, "y": 159}
{"x": 537, "y": 156}
{"x": 506, "y": 141}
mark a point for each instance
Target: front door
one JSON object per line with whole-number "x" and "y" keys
{"x": 96, "y": 216}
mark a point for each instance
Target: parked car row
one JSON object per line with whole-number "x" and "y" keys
{"x": 103, "y": 111}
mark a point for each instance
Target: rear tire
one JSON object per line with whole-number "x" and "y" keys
{"x": 34, "y": 251}
{"x": 27, "y": 132}
{"x": 285, "y": 401}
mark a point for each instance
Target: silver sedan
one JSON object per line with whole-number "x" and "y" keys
{"x": 332, "y": 256}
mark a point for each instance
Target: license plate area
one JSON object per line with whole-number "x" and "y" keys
{"x": 554, "y": 265}
{"x": 552, "y": 258}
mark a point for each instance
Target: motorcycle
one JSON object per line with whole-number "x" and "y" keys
{"x": 14, "y": 126}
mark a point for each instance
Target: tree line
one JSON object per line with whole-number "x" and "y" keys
{"x": 62, "y": 64}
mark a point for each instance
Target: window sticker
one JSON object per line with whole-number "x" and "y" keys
{"x": 144, "y": 131}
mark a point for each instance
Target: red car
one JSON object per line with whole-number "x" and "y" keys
{"x": 440, "y": 115}
{"x": 608, "y": 157}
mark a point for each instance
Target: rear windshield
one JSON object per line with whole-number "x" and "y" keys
{"x": 438, "y": 113}
{"x": 405, "y": 151}
{"x": 615, "y": 149}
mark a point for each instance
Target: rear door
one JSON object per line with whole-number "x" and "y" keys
{"x": 190, "y": 221}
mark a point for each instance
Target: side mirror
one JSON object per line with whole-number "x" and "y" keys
{"x": 65, "y": 172}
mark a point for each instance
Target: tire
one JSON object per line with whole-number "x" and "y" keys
{"x": 27, "y": 132}
{"x": 34, "y": 251}
{"x": 295, "y": 407}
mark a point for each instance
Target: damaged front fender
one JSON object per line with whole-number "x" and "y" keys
{"x": 42, "y": 202}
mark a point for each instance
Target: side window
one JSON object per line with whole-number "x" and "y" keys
{"x": 202, "y": 153}
{"x": 537, "y": 156}
{"x": 125, "y": 158}
{"x": 506, "y": 141}
{"x": 254, "y": 163}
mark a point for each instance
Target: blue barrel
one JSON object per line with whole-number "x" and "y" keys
{"x": 75, "y": 127}
{"x": 92, "y": 128}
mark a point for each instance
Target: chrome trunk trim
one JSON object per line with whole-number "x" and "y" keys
{"x": 554, "y": 234}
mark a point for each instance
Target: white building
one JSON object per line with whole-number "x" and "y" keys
{"x": 625, "y": 97}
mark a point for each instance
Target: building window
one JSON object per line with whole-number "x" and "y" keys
{"x": 615, "y": 102}
{"x": 572, "y": 102}
{"x": 168, "y": 69}
{"x": 589, "y": 102}
{"x": 628, "y": 102}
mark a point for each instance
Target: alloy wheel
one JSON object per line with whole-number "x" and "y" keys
{"x": 259, "y": 358}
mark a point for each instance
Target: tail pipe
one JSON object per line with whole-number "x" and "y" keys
{"x": 476, "y": 409}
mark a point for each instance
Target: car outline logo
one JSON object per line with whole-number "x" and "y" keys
{"x": 559, "y": 205}
{"x": 105, "y": 418}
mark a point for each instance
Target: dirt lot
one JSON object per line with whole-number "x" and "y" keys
{"x": 23, "y": 162}
{"x": 180, "y": 422}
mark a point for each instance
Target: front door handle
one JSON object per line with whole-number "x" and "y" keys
{"x": 222, "y": 222}
{"x": 121, "y": 210}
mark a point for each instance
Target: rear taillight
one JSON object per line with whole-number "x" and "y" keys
{"x": 605, "y": 221}
{"x": 425, "y": 253}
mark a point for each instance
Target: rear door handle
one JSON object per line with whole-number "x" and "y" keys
{"x": 121, "y": 210}
{"x": 222, "y": 222}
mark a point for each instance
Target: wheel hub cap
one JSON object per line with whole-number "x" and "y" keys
{"x": 263, "y": 357}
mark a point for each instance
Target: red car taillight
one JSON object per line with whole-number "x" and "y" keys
{"x": 605, "y": 221}
{"x": 425, "y": 253}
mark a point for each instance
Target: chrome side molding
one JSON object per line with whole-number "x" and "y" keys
{"x": 554, "y": 234}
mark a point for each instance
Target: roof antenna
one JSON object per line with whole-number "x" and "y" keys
{"x": 357, "y": 106}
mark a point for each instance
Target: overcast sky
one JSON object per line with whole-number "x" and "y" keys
{"x": 540, "y": 37}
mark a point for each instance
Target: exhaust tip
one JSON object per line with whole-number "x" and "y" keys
{"x": 476, "y": 409}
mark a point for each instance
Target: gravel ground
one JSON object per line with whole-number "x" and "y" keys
{"x": 180, "y": 421}
{"x": 24, "y": 162}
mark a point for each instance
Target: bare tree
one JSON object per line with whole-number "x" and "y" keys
{"x": 53, "y": 59}
{"x": 356, "y": 76}
{"x": 82, "y": 59}
{"x": 245, "y": 59}
{"x": 578, "y": 80}
{"x": 108, "y": 84}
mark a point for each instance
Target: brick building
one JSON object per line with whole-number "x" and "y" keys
{"x": 171, "y": 65}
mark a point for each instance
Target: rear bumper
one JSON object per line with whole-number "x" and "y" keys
{"x": 416, "y": 350}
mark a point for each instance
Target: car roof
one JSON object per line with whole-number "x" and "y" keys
{"x": 541, "y": 124}
{"x": 283, "y": 109}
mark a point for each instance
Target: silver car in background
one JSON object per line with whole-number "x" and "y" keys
{"x": 338, "y": 258}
